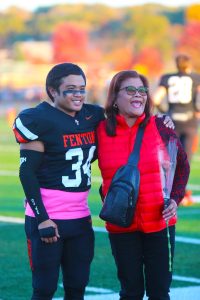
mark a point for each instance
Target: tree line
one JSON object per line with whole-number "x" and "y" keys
{"x": 146, "y": 36}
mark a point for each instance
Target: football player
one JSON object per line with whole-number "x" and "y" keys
{"x": 182, "y": 89}
{"x": 57, "y": 145}
{"x": 182, "y": 93}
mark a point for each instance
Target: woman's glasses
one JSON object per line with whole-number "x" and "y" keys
{"x": 132, "y": 90}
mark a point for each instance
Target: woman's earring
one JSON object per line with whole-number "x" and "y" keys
{"x": 115, "y": 105}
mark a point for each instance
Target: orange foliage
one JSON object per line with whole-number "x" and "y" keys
{"x": 190, "y": 43}
{"x": 151, "y": 60}
{"x": 121, "y": 58}
{"x": 70, "y": 43}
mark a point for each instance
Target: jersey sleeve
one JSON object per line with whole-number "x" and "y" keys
{"x": 26, "y": 127}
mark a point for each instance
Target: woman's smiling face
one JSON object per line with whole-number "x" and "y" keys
{"x": 131, "y": 106}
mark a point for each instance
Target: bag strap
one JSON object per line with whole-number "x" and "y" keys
{"x": 134, "y": 156}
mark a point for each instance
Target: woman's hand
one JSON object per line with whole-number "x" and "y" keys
{"x": 48, "y": 231}
{"x": 170, "y": 211}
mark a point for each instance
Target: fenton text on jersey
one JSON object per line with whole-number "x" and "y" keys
{"x": 74, "y": 140}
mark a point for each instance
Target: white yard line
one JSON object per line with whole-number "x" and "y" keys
{"x": 186, "y": 279}
{"x": 95, "y": 179}
{"x": 193, "y": 187}
{"x": 11, "y": 220}
{"x": 196, "y": 199}
{"x": 184, "y": 293}
{"x": 187, "y": 240}
{"x": 180, "y": 239}
{"x": 9, "y": 173}
{"x": 96, "y": 290}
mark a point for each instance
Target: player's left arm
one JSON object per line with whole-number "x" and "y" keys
{"x": 158, "y": 96}
{"x": 31, "y": 157}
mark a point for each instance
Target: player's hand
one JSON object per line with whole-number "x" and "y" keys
{"x": 48, "y": 231}
{"x": 167, "y": 120}
{"x": 170, "y": 211}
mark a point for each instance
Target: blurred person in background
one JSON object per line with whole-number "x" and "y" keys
{"x": 182, "y": 92}
{"x": 144, "y": 251}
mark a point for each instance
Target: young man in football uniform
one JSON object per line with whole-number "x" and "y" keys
{"x": 57, "y": 146}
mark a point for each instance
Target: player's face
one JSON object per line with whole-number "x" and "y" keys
{"x": 132, "y": 98}
{"x": 71, "y": 95}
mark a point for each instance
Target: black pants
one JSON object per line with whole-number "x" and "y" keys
{"x": 73, "y": 252}
{"x": 142, "y": 261}
{"x": 187, "y": 136}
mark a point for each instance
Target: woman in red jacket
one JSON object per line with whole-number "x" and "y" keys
{"x": 140, "y": 251}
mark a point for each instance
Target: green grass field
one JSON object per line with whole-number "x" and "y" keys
{"x": 15, "y": 276}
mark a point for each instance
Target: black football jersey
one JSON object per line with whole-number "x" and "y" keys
{"x": 181, "y": 93}
{"x": 70, "y": 143}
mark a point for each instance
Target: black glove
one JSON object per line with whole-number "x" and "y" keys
{"x": 48, "y": 232}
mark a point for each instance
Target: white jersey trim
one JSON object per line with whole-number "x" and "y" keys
{"x": 26, "y": 132}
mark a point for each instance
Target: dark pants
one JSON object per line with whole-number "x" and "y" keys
{"x": 142, "y": 261}
{"x": 73, "y": 252}
{"x": 187, "y": 136}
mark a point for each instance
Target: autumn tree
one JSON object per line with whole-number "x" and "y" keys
{"x": 149, "y": 61}
{"x": 192, "y": 13}
{"x": 12, "y": 25}
{"x": 190, "y": 43}
{"x": 149, "y": 29}
{"x": 70, "y": 43}
{"x": 120, "y": 58}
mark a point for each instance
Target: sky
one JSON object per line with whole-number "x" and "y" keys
{"x": 31, "y": 5}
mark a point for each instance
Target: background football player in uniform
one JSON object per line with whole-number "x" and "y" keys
{"x": 182, "y": 91}
{"x": 57, "y": 146}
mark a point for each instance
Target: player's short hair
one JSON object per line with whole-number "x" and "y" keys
{"x": 58, "y": 72}
{"x": 183, "y": 62}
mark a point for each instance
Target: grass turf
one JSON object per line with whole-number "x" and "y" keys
{"x": 15, "y": 275}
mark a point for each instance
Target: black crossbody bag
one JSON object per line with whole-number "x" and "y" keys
{"x": 120, "y": 201}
